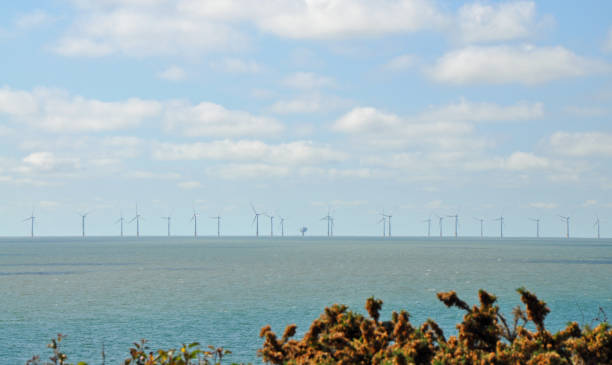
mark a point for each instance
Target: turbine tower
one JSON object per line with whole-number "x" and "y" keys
{"x": 456, "y": 216}
{"x": 168, "y": 220}
{"x": 303, "y": 230}
{"x": 567, "y": 225}
{"x": 537, "y": 220}
{"x": 481, "y": 220}
{"x": 388, "y": 216}
{"x": 137, "y": 218}
{"x": 256, "y": 220}
{"x": 31, "y": 218}
{"x": 383, "y": 220}
{"x": 194, "y": 218}
{"x": 428, "y": 227}
{"x": 282, "y": 223}
{"x": 218, "y": 218}
{"x": 501, "y": 226}
{"x": 83, "y": 216}
{"x": 120, "y": 220}
{"x": 271, "y": 224}
{"x": 597, "y": 225}
{"x": 440, "y": 219}
{"x": 330, "y": 224}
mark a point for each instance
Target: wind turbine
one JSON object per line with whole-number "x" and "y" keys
{"x": 440, "y": 219}
{"x": 83, "y": 216}
{"x": 121, "y": 220}
{"x": 194, "y": 218}
{"x": 537, "y": 220}
{"x": 428, "y": 227}
{"x": 501, "y": 226}
{"x": 137, "y": 218}
{"x": 388, "y": 216}
{"x": 256, "y": 220}
{"x": 383, "y": 220}
{"x": 567, "y": 225}
{"x": 282, "y": 223}
{"x": 31, "y": 218}
{"x": 481, "y": 220}
{"x": 597, "y": 224}
{"x": 168, "y": 220}
{"x": 218, "y": 218}
{"x": 271, "y": 224}
{"x": 456, "y": 216}
{"x": 330, "y": 224}
{"x": 303, "y": 230}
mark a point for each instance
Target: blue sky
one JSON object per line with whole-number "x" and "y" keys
{"x": 417, "y": 107}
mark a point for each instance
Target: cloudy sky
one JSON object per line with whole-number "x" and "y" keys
{"x": 417, "y": 107}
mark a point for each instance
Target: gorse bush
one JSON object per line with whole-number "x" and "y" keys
{"x": 485, "y": 336}
{"x": 341, "y": 336}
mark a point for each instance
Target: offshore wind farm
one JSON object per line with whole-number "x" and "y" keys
{"x": 216, "y": 171}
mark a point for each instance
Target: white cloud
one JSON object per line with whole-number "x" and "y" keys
{"x": 586, "y": 111}
{"x": 589, "y": 203}
{"x": 525, "y": 161}
{"x": 543, "y": 205}
{"x": 149, "y": 175}
{"x": 581, "y": 144}
{"x": 213, "y": 120}
{"x": 486, "y": 22}
{"x": 187, "y": 185}
{"x": 293, "y": 153}
{"x": 512, "y": 64}
{"x": 608, "y": 41}
{"x": 57, "y": 111}
{"x": 236, "y": 65}
{"x": 33, "y": 19}
{"x": 48, "y": 204}
{"x": 248, "y": 171}
{"x": 400, "y": 63}
{"x": 145, "y": 28}
{"x": 483, "y": 112}
{"x": 48, "y": 162}
{"x": 172, "y": 73}
{"x": 307, "y": 80}
{"x": 311, "y": 103}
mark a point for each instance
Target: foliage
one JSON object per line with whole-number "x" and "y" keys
{"x": 485, "y": 336}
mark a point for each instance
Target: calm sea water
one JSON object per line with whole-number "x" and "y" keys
{"x": 112, "y": 292}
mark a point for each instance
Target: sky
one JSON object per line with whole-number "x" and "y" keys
{"x": 417, "y": 108}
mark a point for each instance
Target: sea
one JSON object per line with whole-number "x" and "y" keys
{"x": 104, "y": 293}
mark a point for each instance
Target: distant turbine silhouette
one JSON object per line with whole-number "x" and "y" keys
{"x": 501, "y": 226}
{"x": 168, "y": 220}
{"x": 481, "y": 220}
{"x": 456, "y": 216}
{"x": 83, "y": 216}
{"x": 256, "y": 220}
{"x": 440, "y": 219}
{"x": 428, "y": 227}
{"x": 303, "y": 230}
{"x": 218, "y": 218}
{"x": 271, "y": 224}
{"x": 120, "y": 220}
{"x": 282, "y": 223}
{"x": 537, "y": 220}
{"x": 597, "y": 225}
{"x": 388, "y": 216}
{"x": 194, "y": 218}
{"x": 330, "y": 224}
{"x": 383, "y": 220}
{"x": 567, "y": 225}
{"x": 31, "y": 218}
{"x": 137, "y": 218}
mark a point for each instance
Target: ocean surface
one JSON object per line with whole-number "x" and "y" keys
{"x": 111, "y": 292}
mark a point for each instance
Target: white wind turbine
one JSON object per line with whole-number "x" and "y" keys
{"x": 218, "y": 218}
{"x": 567, "y": 225}
{"x": 31, "y": 218}
{"x": 137, "y": 218}
{"x": 282, "y": 223}
{"x": 120, "y": 221}
{"x": 537, "y": 221}
{"x": 83, "y": 216}
{"x": 456, "y": 216}
{"x": 256, "y": 220}
{"x": 383, "y": 220}
{"x": 194, "y": 218}
{"x": 271, "y": 224}
{"x": 596, "y": 224}
{"x": 168, "y": 220}
{"x": 501, "y": 226}
{"x": 330, "y": 223}
{"x": 388, "y": 216}
{"x": 440, "y": 220}
{"x": 428, "y": 220}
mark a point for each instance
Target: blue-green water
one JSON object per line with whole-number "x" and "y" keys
{"x": 221, "y": 292}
